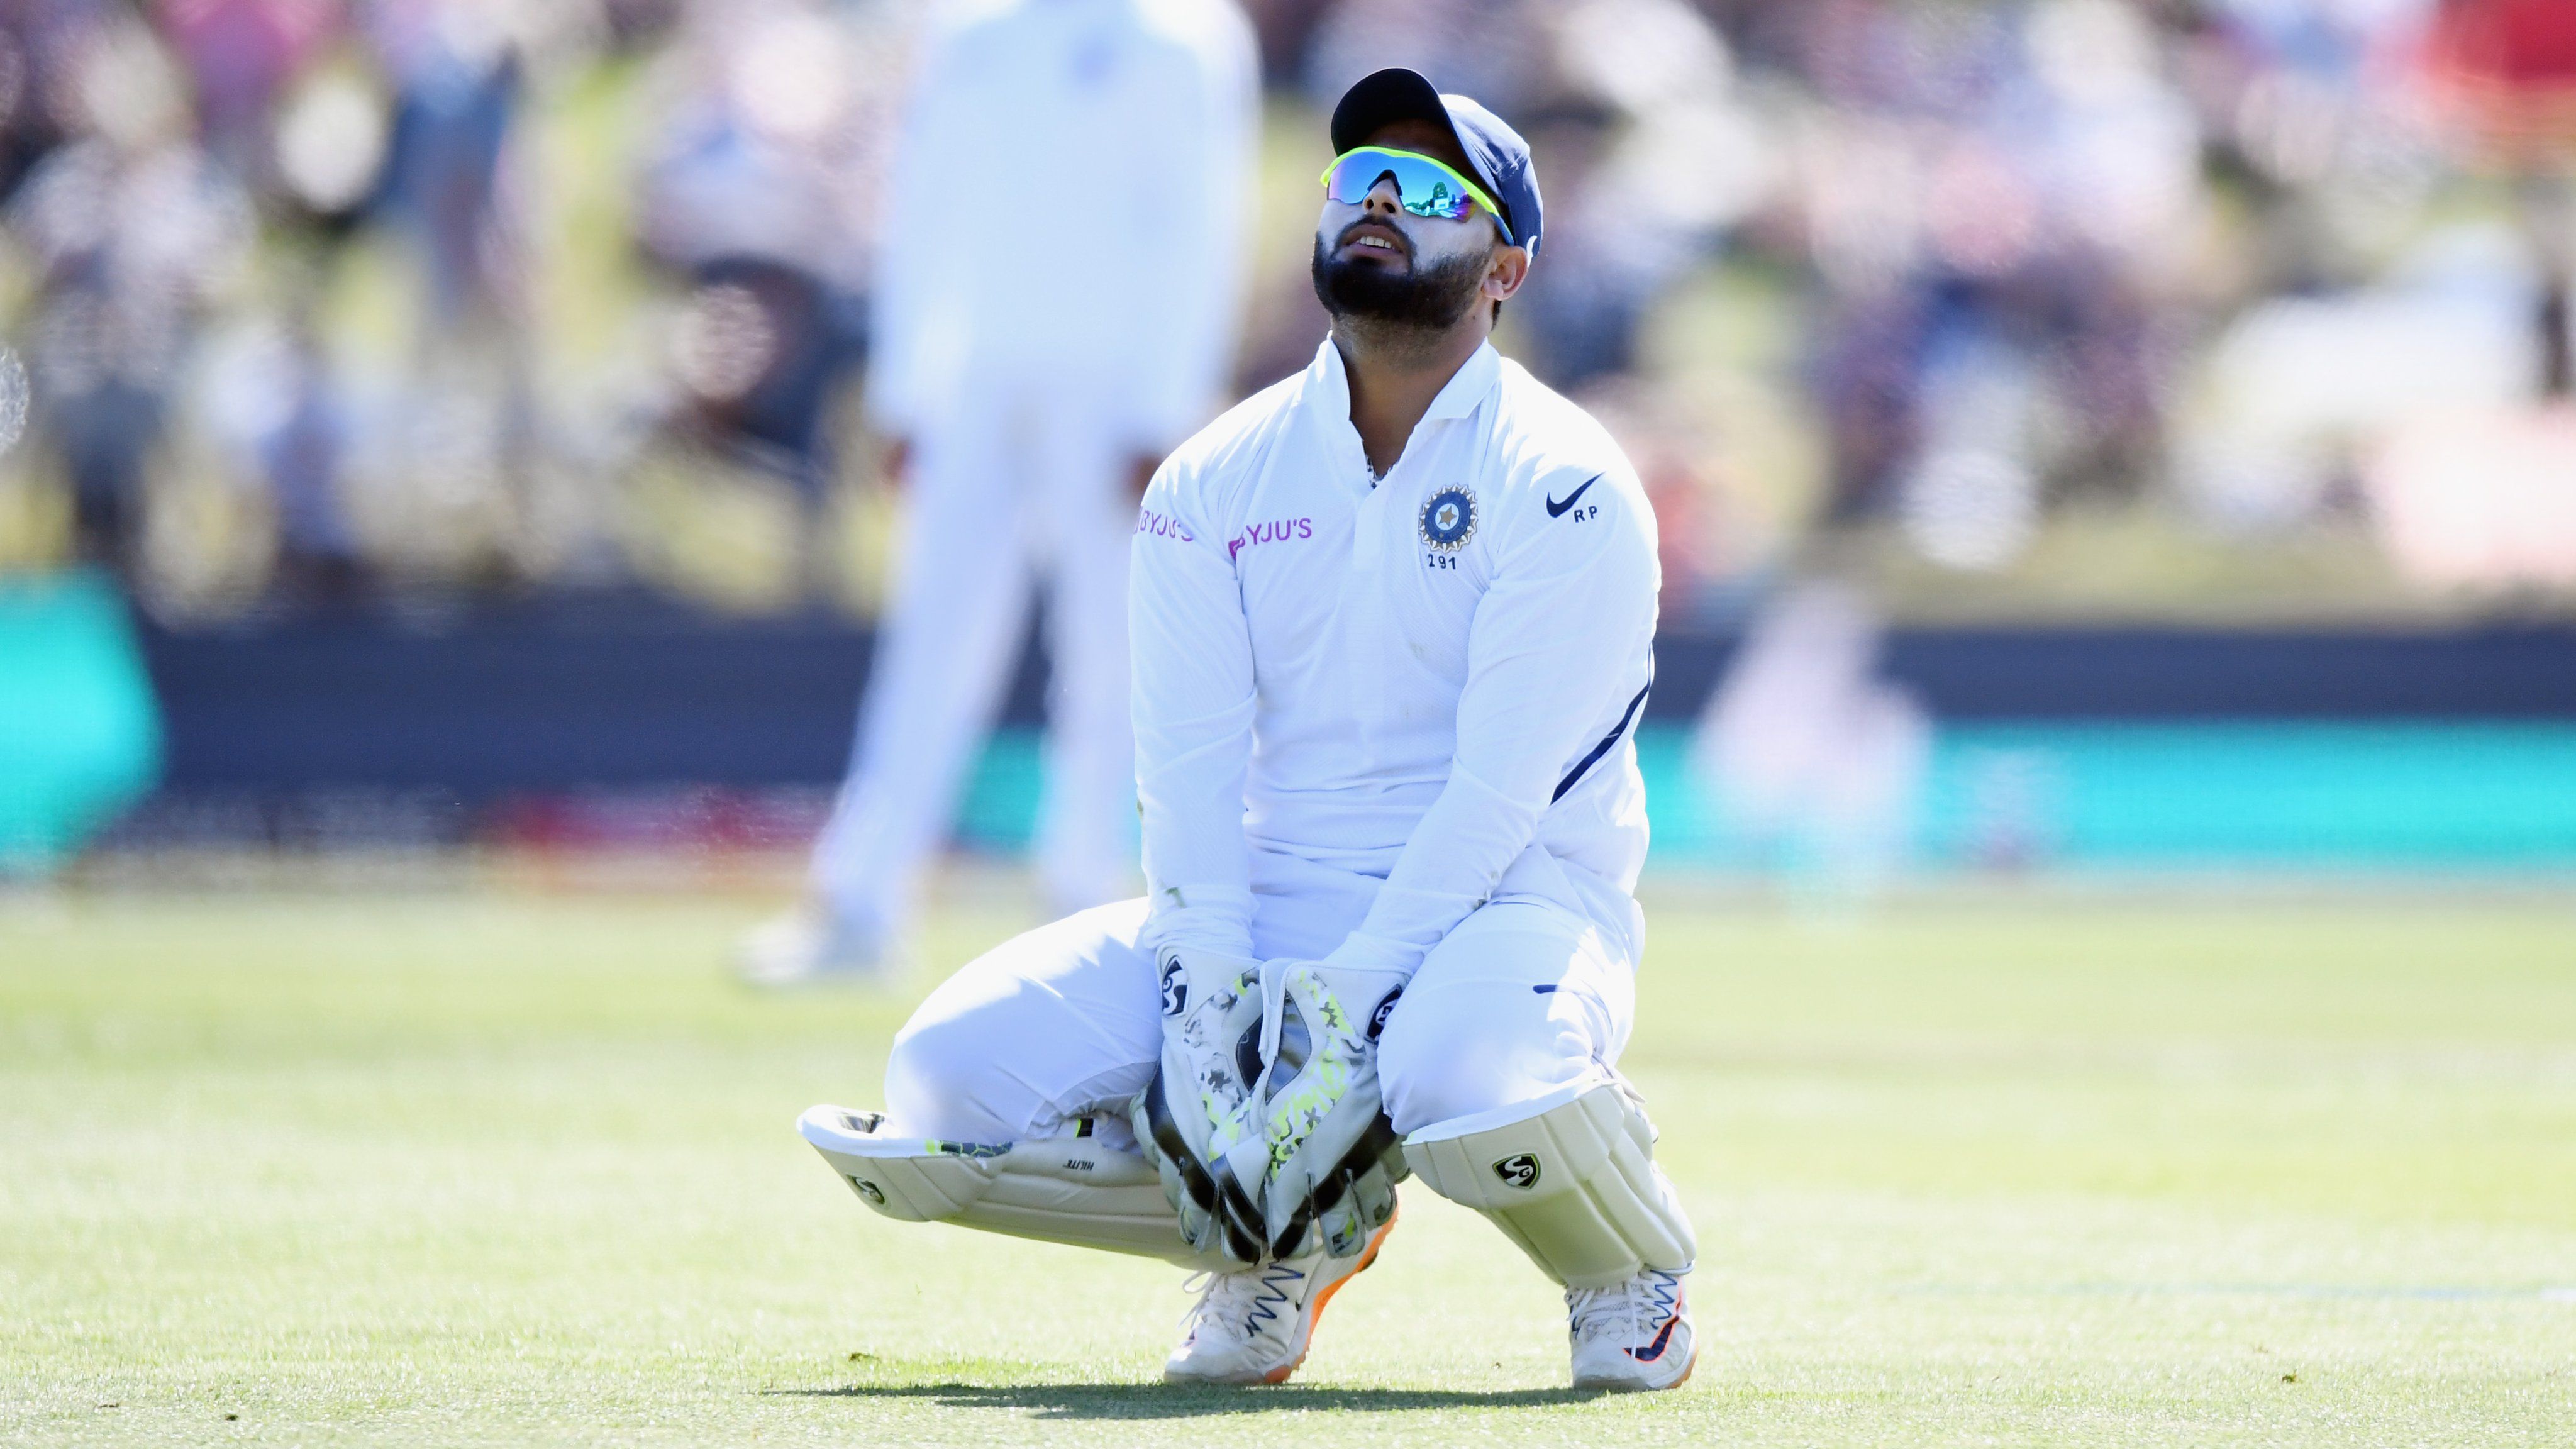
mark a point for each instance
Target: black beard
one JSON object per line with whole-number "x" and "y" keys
{"x": 1426, "y": 299}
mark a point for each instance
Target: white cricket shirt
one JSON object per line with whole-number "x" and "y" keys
{"x": 1403, "y": 696}
{"x": 1066, "y": 199}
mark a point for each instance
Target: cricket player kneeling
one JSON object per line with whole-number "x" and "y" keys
{"x": 1391, "y": 622}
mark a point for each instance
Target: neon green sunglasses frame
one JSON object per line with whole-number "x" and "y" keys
{"x": 1466, "y": 187}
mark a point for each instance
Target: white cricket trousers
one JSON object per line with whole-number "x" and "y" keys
{"x": 1021, "y": 482}
{"x": 1066, "y": 1020}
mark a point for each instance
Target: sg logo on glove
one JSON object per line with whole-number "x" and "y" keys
{"x": 1385, "y": 1009}
{"x": 1519, "y": 1170}
{"x": 1176, "y": 989}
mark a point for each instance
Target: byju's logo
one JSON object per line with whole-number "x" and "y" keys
{"x": 869, "y": 1190}
{"x": 1519, "y": 1170}
{"x": 1283, "y": 529}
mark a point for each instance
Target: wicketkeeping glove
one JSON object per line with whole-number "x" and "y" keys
{"x": 1198, "y": 1119}
{"x": 1334, "y": 1159}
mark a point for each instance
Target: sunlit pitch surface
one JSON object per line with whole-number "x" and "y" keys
{"x": 467, "y": 1169}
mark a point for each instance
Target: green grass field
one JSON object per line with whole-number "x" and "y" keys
{"x": 505, "y": 1168}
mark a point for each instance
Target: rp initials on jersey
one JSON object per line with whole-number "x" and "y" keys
{"x": 1565, "y": 508}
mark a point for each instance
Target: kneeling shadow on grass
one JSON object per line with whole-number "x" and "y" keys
{"x": 1174, "y": 1401}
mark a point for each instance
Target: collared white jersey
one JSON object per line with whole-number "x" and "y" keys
{"x": 1430, "y": 680}
{"x": 1066, "y": 200}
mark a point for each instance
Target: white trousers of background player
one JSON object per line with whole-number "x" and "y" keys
{"x": 1018, "y": 485}
{"x": 1519, "y": 1000}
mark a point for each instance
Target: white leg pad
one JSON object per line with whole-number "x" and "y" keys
{"x": 1570, "y": 1177}
{"x": 1076, "y": 1190}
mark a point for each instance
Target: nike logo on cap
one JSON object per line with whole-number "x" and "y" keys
{"x": 1556, "y": 509}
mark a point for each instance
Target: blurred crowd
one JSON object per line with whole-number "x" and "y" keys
{"x": 309, "y": 304}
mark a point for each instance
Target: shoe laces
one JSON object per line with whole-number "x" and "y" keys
{"x": 1628, "y": 1311}
{"x": 1246, "y": 1303}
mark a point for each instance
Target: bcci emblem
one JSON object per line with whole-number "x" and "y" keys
{"x": 1519, "y": 1170}
{"x": 1449, "y": 519}
{"x": 869, "y": 1190}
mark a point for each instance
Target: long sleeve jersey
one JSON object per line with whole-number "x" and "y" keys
{"x": 1067, "y": 195}
{"x": 1428, "y": 682}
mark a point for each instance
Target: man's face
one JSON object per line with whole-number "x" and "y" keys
{"x": 1377, "y": 260}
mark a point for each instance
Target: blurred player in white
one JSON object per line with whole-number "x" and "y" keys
{"x": 1054, "y": 310}
{"x": 1392, "y": 621}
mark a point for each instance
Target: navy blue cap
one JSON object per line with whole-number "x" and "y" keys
{"x": 1495, "y": 152}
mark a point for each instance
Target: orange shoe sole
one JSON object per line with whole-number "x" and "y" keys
{"x": 1368, "y": 1256}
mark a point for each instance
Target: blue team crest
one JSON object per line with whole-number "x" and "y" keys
{"x": 1449, "y": 519}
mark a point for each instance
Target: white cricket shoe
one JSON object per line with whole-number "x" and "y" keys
{"x": 1253, "y": 1326}
{"x": 1635, "y": 1336}
{"x": 807, "y": 945}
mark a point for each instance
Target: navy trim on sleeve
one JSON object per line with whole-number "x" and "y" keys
{"x": 1612, "y": 738}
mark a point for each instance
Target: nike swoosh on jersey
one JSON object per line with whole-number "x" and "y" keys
{"x": 1556, "y": 509}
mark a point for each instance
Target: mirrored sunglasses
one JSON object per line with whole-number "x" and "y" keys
{"x": 1424, "y": 185}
